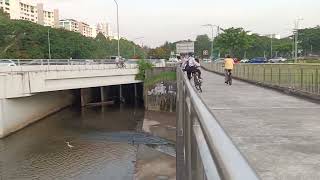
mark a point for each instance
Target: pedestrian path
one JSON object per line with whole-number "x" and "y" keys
{"x": 278, "y": 134}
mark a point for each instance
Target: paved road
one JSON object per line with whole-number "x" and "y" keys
{"x": 277, "y": 133}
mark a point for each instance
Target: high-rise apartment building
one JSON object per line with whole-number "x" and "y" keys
{"x": 25, "y": 10}
{"x": 76, "y": 26}
{"x": 103, "y": 28}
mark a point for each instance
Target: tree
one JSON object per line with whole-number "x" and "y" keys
{"x": 233, "y": 41}
{"x": 310, "y": 40}
{"x": 162, "y": 52}
{"x": 27, "y": 40}
{"x": 202, "y": 43}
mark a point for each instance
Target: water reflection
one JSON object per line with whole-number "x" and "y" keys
{"x": 40, "y": 150}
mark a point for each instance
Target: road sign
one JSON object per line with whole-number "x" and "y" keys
{"x": 205, "y": 52}
{"x": 185, "y": 47}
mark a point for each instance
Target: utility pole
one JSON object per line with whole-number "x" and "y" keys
{"x": 271, "y": 52}
{"x": 296, "y": 39}
{"x": 118, "y": 29}
{"x": 49, "y": 44}
{"x": 212, "y": 35}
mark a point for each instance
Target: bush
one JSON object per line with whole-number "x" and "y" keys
{"x": 143, "y": 65}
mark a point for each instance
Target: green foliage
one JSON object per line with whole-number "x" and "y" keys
{"x": 202, "y": 43}
{"x": 4, "y": 14}
{"x": 164, "y": 76}
{"x": 143, "y": 65}
{"x": 162, "y": 52}
{"x": 233, "y": 41}
{"x": 27, "y": 40}
{"x": 310, "y": 40}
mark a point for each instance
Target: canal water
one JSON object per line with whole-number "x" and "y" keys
{"x": 104, "y": 140}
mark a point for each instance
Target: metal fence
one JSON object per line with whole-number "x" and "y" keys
{"x": 27, "y": 65}
{"x": 204, "y": 150}
{"x": 298, "y": 77}
{"x": 32, "y": 62}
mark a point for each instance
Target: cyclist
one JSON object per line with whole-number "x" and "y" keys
{"x": 228, "y": 67}
{"x": 192, "y": 66}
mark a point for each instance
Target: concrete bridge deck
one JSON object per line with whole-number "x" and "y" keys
{"x": 278, "y": 134}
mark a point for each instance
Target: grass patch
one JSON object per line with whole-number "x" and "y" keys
{"x": 165, "y": 76}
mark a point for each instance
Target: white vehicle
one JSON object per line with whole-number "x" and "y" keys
{"x": 219, "y": 60}
{"x": 173, "y": 60}
{"x": 244, "y": 60}
{"x": 277, "y": 60}
{"x": 207, "y": 60}
{"x": 6, "y": 62}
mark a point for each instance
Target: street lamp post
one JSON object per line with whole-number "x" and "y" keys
{"x": 296, "y": 39}
{"x": 212, "y": 31}
{"x": 271, "y": 51}
{"x": 118, "y": 29}
{"x": 49, "y": 44}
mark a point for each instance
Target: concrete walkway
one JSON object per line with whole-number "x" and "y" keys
{"x": 277, "y": 133}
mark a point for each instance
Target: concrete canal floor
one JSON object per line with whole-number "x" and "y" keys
{"x": 152, "y": 164}
{"x": 110, "y": 143}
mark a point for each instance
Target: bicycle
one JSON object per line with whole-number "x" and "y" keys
{"x": 121, "y": 65}
{"x": 197, "y": 81}
{"x": 229, "y": 77}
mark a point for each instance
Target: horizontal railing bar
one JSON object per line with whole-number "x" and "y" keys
{"x": 230, "y": 159}
{"x": 207, "y": 160}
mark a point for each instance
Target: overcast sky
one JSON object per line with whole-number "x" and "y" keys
{"x": 171, "y": 20}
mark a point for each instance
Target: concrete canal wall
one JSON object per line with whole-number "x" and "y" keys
{"x": 17, "y": 113}
{"x": 160, "y": 89}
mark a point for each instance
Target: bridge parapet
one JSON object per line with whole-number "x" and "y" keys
{"x": 204, "y": 150}
{"x": 21, "y": 81}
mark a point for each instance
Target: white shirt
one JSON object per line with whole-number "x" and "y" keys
{"x": 193, "y": 62}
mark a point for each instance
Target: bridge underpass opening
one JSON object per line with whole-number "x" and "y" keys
{"x": 117, "y": 94}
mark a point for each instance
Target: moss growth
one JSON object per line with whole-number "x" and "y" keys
{"x": 165, "y": 76}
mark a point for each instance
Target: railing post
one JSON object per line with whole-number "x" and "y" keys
{"x": 317, "y": 81}
{"x": 180, "y": 132}
{"x": 279, "y": 75}
{"x": 264, "y": 73}
{"x": 271, "y": 75}
{"x": 301, "y": 78}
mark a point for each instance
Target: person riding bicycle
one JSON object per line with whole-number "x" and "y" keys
{"x": 192, "y": 66}
{"x": 228, "y": 67}
{"x": 120, "y": 62}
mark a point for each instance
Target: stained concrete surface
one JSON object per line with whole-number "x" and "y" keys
{"x": 152, "y": 164}
{"x": 278, "y": 134}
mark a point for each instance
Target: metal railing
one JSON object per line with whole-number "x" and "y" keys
{"x": 296, "y": 77}
{"x": 204, "y": 150}
{"x": 32, "y": 62}
{"x": 27, "y": 65}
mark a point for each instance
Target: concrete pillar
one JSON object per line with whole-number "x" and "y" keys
{"x": 135, "y": 91}
{"x": 120, "y": 93}
{"x": 86, "y": 96}
{"x": 103, "y": 98}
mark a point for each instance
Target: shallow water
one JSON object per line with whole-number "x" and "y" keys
{"x": 102, "y": 140}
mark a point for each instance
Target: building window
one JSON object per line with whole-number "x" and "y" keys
{"x": 7, "y": 2}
